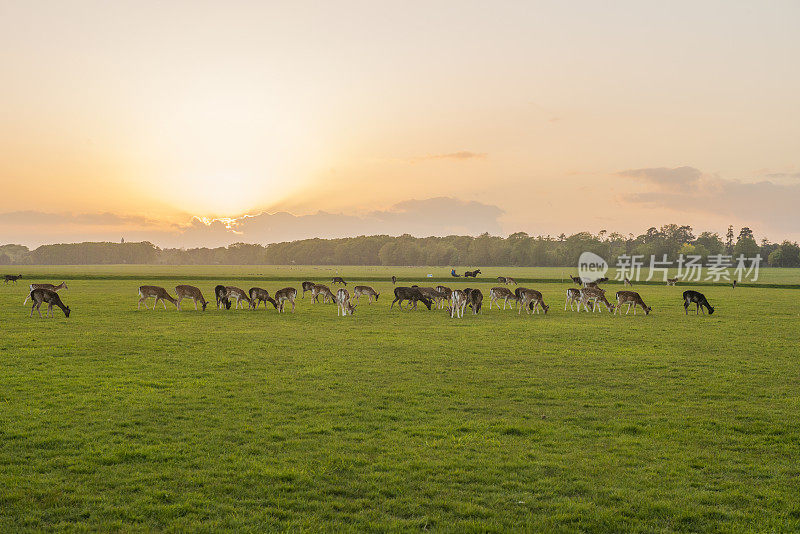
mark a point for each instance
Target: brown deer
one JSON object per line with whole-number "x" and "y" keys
{"x": 338, "y": 280}
{"x": 434, "y": 295}
{"x": 446, "y": 292}
{"x": 222, "y": 297}
{"x": 325, "y": 291}
{"x": 258, "y": 295}
{"x": 497, "y": 293}
{"x": 458, "y": 303}
{"x": 366, "y": 291}
{"x": 394, "y": 280}
{"x": 672, "y": 281}
{"x": 190, "y": 292}
{"x": 239, "y": 295}
{"x": 11, "y": 278}
{"x": 577, "y": 280}
{"x": 531, "y": 300}
{"x": 158, "y": 293}
{"x": 412, "y": 295}
{"x": 631, "y": 298}
{"x": 40, "y": 295}
{"x": 51, "y": 287}
{"x": 287, "y": 294}
{"x": 502, "y": 280}
{"x": 573, "y": 297}
{"x": 308, "y": 286}
{"x": 626, "y": 282}
{"x": 344, "y": 306}
{"x": 510, "y": 281}
{"x": 593, "y": 295}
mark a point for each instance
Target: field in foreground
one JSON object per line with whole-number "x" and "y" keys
{"x": 148, "y": 420}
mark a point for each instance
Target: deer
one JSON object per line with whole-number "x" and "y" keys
{"x": 412, "y": 295}
{"x": 11, "y": 278}
{"x": 577, "y": 280}
{"x": 532, "y": 299}
{"x": 308, "y": 286}
{"x": 366, "y": 291}
{"x": 190, "y": 292}
{"x": 501, "y": 280}
{"x": 631, "y": 298}
{"x": 472, "y": 274}
{"x": 158, "y": 293}
{"x": 593, "y": 294}
{"x": 321, "y": 289}
{"x": 51, "y": 287}
{"x": 435, "y": 296}
{"x": 344, "y": 306}
{"x": 239, "y": 295}
{"x": 511, "y": 281}
{"x": 573, "y": 297}
{"x": 283, "y": 295}
{"x": 222, "y": 297}
{"x": 40, "y": 295}
{"x": 394, "y": 280}
{"x": 258, "y": 295}
{"x": 497, "y": 293}
{"x": 445, "y": 292}
{"x": 475, "y": 300}
{"x": 458, "y": 303}
{"x": 626, "y": 282}
{"x": 697, "y": 298}
{"x": 671, "y": 281}
{"x": 338, "y": 280}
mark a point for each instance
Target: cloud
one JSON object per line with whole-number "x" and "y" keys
{"x": 460, "y": 155}
{"x": 687, "y": 190}
{"x": 784, "y": 175}
{"x": 34, "y": 218}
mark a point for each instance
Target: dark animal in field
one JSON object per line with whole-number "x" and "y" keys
{"x": 510, "y": 281}
{"x": 158, "y": 293}
{"x": 695, "y": 297}
{"x": 497, "y": 293}
{"x": 308, "y": 286}
{"x": 12, "y": 278}
{"x": 259, "y": 295}
{"x": 573, "y": 297}
{"x": 365, "y": 291}
{"x": 577, "y": 280}
{"x": 631, "y": 298}
{"x": 412, "y": 295}
{"x": 627, "y": 282}
{"x": 282, "y": 296}
{"x": 394, "y": 280}
{"x": 472, "y": 274}
{"x": 502, "y": 279}
{"x": 190, "y": 292}
{"x": 40, "y": 295}
{"x": 596, "y": 283}
{"x": 338, "y": 280}
{"x": 51, "y": 287}
{"x": 734, "y": 283}
{"x": 475, "y": 298}
{"x": 343, "y": 304}
{"x": 433, "y": 294}
{"x": 222, "y": 297}
{"x": 671, "y": 281}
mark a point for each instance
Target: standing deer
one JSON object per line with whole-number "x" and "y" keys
{"x": 51, "y": 287}
{"x": 671, "y": 281}
{"x": 40, "y": 295}
{"x": 190, "y": 292}
{"x": 283, "y": 295}
{"x": 697, "y": 298}
{"x": 158, "y": 293}
{"x": 222, "y": 297}
{"x": 308, "y": 286}
{"x": 12, "y": 278}
{"x": 366, "y": 291}
{"x": 631, "y": 298}
{"x": 531, "y": 300}
{"x": 573, "y": 297}
{"x": 325, "y": 291}
{"x": 458, "y": 303}
{"x": 394, "y": 280}
{"x": 497, "y": 293}
{"x": 338, "y": 280}
{"x": 627, "y": 282}
{"x": 475, "y": 298}
{"x": 445, "y": 292}
{"x": 577, "y": 280}
{"x": 258, "y": 295}
{"x": 344, "y": 306}
{"x": 510, "y": 281}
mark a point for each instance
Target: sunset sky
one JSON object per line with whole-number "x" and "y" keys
{"x": 149, "y": 120}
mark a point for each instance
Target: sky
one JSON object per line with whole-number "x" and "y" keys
{"x": 206, "y": 123}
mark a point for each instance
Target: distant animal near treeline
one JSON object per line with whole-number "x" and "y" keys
{"x": 518, "y": 249}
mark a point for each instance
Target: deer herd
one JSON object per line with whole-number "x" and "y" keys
{"x": 589, "y": 297}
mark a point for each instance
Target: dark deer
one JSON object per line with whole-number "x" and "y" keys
{"x": 222, "y": 297}
{"x": 577, "y": 280}
{"x": 475, "y": 300}
{"x": 51, "y": 287}
{"x": 394, "y": 280}
{"x": 412, "y": 295}
{"x": 338, "y": 280}
{"x": 12, "y": 278}
{"x": 40, "y": 295}
{"x": 308, "y": 286}
{"x": 472, "y": 274}
{"x": 695, "y": 297}
{"x": 287, "y": 294}
{"x": 502, "y": 280}
{"x": 258, "y": 295}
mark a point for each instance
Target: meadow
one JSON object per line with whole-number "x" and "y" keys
{"x": 118, "y": 419}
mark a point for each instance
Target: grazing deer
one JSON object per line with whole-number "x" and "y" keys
{"x": 40, "y": 295}
{"x": 325, "y": 291}
{"x": 435, "y": 296}
{"x": 258, "y": 295}
{"x": 222, "y": 297}
{"x": 412, "y": 295}
{"x": 51, "y": 287}
{"x": 458, "y": 303}
{"x": 573, "y": 297}
{"x": 626, "y": 282}
{"x": 671, "y": 281}
{"x": 344, "y": 306}
{"x": 366, "y": 291}
{"x": 283, "y": 295}
{"x": 190, "y": 292}
{"x": 592, "y": 295}
{"x": 497, "y": 293}
{"x": 531, "y": 300}
{"x": 472, "y": 274}
{"x": 308, "y": 286}
{"x": 338, "y": 280}
{"x": 577, "y": 280}
{"x": 239, "y": 295}
{"x": 158, "y": 293}
{"x": 510, "y": 281}
{"x": 12, "y": 278}
{"x": 697, "y": 298}
{"x": 502, "y": 280}
{"x": 394, "y": 280}
{"x": 631, "y": 298}
{"x": 475, "y": 300}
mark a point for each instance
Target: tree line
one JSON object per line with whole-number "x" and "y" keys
{"x": 518, "y": 249}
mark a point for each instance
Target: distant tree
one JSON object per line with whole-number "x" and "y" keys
{"x": 729, "y": 240}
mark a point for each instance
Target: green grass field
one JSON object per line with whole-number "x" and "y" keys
{"x": 118, "y": 419}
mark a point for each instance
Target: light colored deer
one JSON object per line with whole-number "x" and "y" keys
{"x": 497, "y": 293}
{"x": 40, "y": 295}
{"x": 343, "y": 304}
{"x": 531, "y": 300}
{"x": 321, "y": 289}
{"x": 458, "y": 303}
{"x": 573, "y": 297}
{"x": 631, "y": 298}
{"x": 593, "y": 295}
{"x": 51, "y": 287}
{"x": 283, "y": 295}
{"x": 446, "y": 292}
{"x": 190, "y": 292}
{"x": 158, "y": 293}
{"x": 308, "y": 286}
{"x": 366, "y": 291}
{"x": 235, "y": 293}
{"x": 627, "y": 282}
